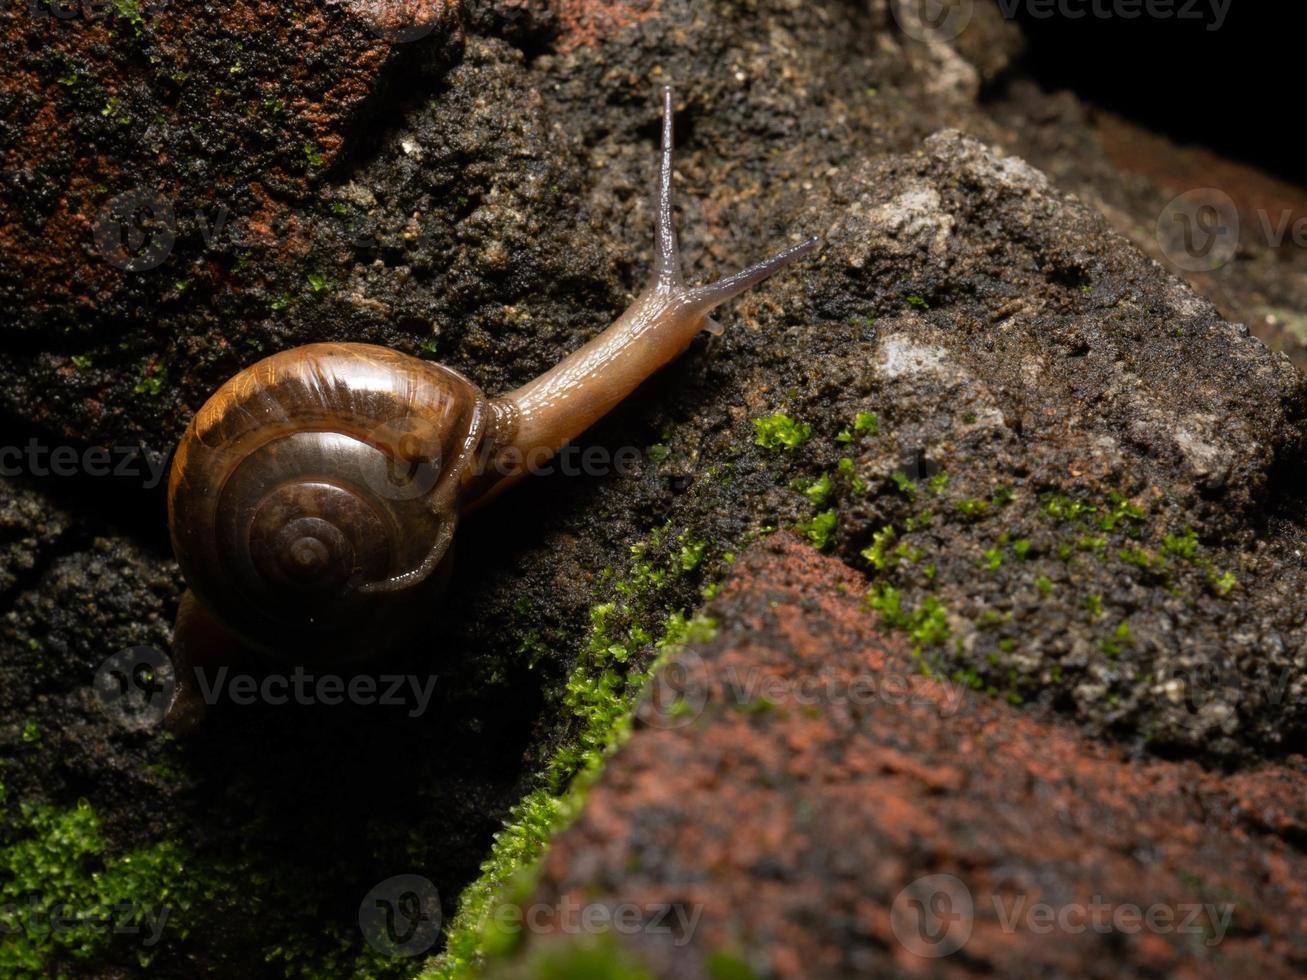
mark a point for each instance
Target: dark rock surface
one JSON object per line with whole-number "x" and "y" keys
{"x": 816, "y": 786}
{"x": 1089, "y": 475}
{"x": 1251, "y": 261}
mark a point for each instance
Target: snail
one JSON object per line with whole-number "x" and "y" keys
{"x": 313, "y": 499}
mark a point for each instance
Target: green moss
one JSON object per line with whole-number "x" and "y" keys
{"x": 320, "y": 283}
{"x": 919, "y": 302}
{"x": 919, "y": 521}
{"x": 57, "y": 865}
{"x": 927, "y": 623}
{"x": 691, "y": 555}
{"x": 846, "y": 472}
{"x": 1221, "y": 582}
{"x": 81, "y": 362}
{"x": 820, "y": 528}
{"x": 1044, "y": 584}
{"x": 130, "y": 11}
{"x": 1183, "y": 546}
{"x": 876, "y": 552}
{"x": 929, "y": 626}
{"x": 1142, "y": 558}
{"x": 867, "y": 422}
{"x": 590, "y": 958}
{"x": 780, "y": 432}
{"x": 313, "y": 155}
{"x": 972, "y": 509}
{"x": 151, "y": 381}
{"x": 908, "y": 553}
{"x": 819, "y": 491}
{"x": 992, "y": 559}
{"x": 725, "y": 965}
{"x": 599, "y": 696}
{"x": 969, "y": 677}
{"x": 1119, "y": 510}
{"x": 1062, "y": 508}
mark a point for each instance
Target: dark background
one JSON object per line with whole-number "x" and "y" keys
{"x": 1239, "y": 90}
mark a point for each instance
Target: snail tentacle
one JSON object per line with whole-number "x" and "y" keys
{"x": 654, "y": 330}
{"x": 667, "y": 255}
{"x": 313, "y": 499}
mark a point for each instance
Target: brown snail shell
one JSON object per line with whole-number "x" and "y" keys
{"x": 313, "y": 499}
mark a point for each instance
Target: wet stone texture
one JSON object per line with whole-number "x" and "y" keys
{"x": 1072, "y": 486}
{"x": 814, "y": 793}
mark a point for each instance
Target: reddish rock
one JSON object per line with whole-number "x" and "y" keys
{"x": 795, "y": 821}
{"x": 589, "y": 22}
{"x": 129, "y": 130}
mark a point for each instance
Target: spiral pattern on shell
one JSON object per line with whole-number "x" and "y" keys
{"x": 313, "y": 499}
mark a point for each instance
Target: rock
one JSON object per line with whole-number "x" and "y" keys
{"x": 826, "y": 810}
{"x": 1069, "y": 480}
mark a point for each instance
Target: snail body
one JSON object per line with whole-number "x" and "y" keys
{"x": 313, "y": 499}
